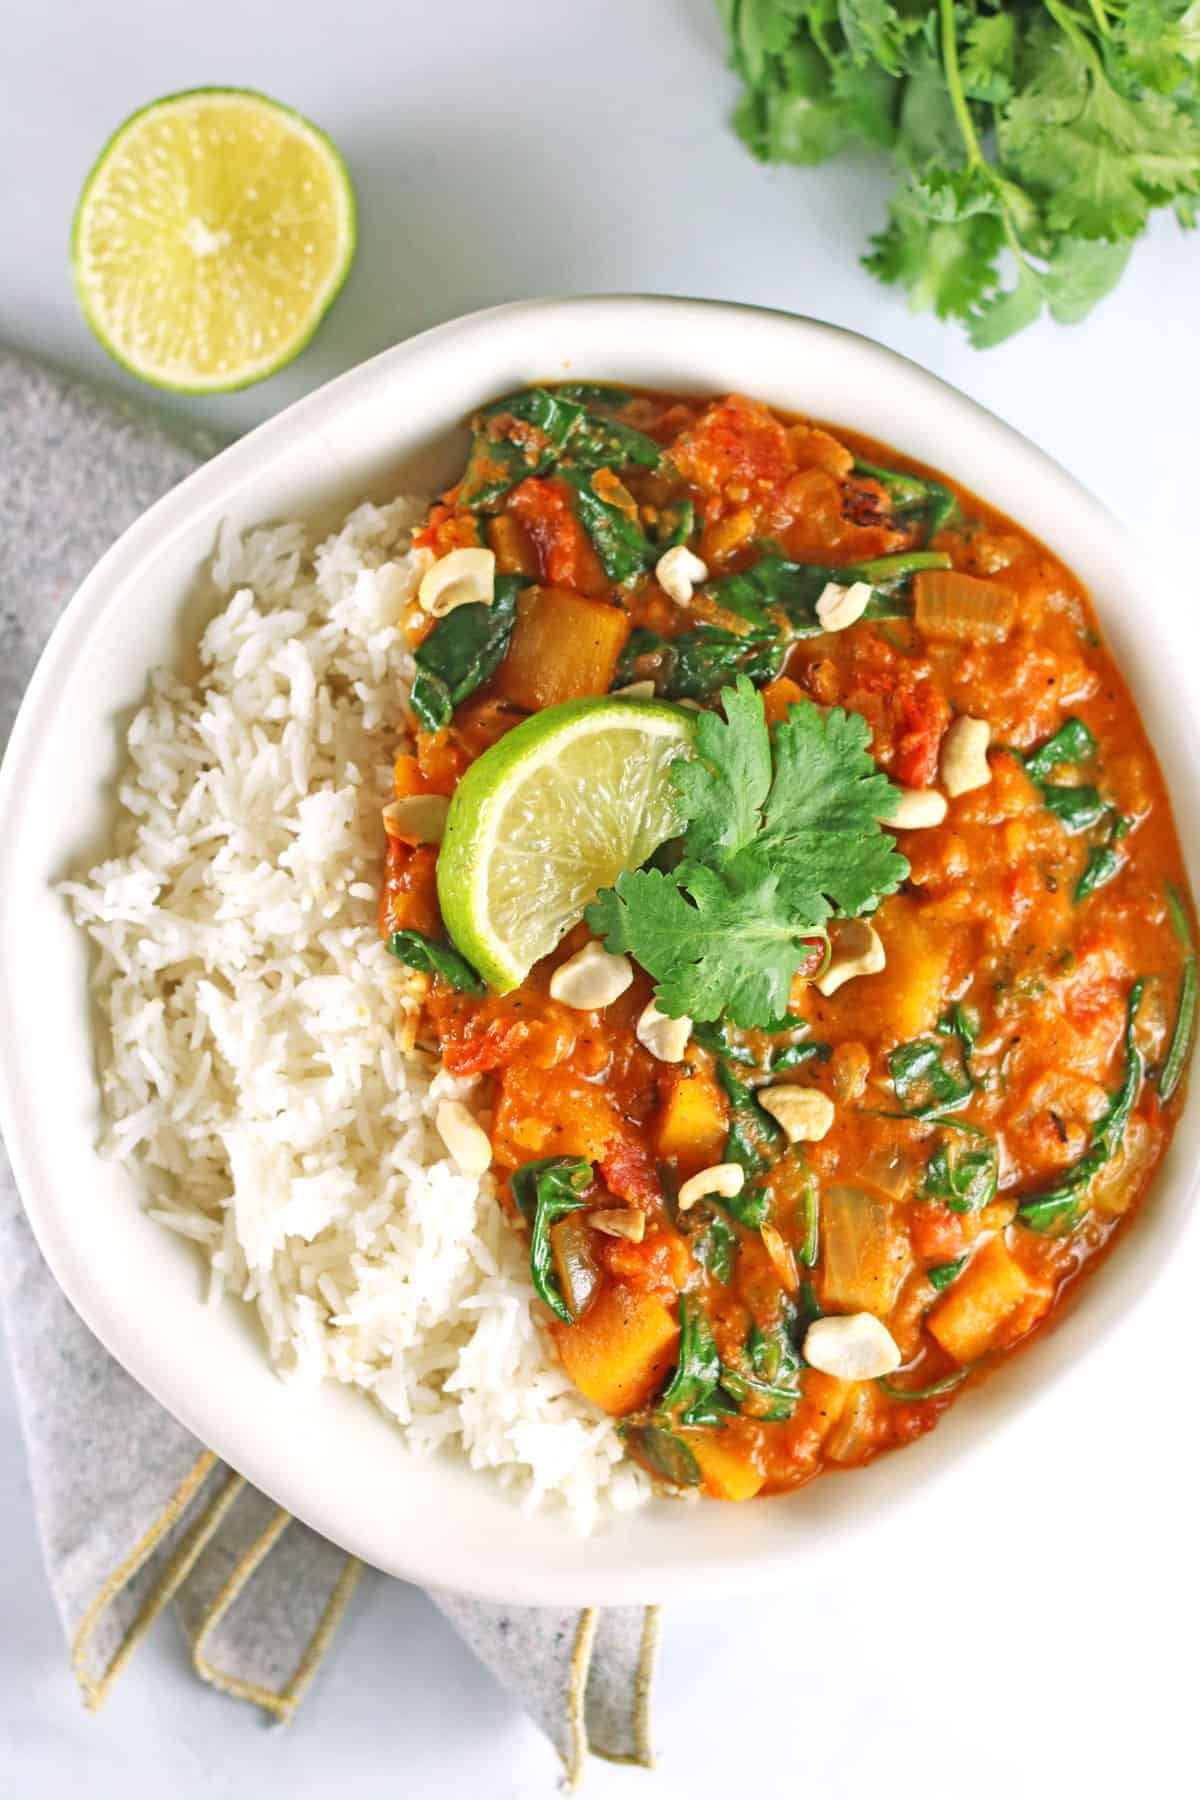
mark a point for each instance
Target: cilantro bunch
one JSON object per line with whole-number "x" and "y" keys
{"x": 782, "y": 833}
{"x": 1031, "y": 141}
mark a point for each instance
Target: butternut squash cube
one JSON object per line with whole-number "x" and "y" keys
{"x": 974, "y": 1312}
{"x": 728, "y": 1467}
{"x": 621, "y": 1350}
{"x": 562, "y": 647}
{"x": 693, "y": 1121}
{"x": 908, "y": 997}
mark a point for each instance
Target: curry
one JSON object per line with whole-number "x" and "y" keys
{"x": 774, "y": 1245}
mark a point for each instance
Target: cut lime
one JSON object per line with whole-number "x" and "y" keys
{"x": 211, "y": 238}
{"x": 548, "y": 816}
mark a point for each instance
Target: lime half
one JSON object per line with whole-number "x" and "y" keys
{"x": 211, "y": 237}
{"x": 548, "y": 816}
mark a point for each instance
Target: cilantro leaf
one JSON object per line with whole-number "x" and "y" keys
{"x": 771, "y": 849}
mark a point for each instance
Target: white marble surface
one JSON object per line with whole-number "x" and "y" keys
{"x": 1039, "y": 1640}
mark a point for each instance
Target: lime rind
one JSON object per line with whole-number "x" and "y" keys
{"x": 549, "y": 815}
{"x": 278, "y": 358}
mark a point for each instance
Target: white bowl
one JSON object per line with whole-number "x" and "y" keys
{"x": 329, "y": 1456}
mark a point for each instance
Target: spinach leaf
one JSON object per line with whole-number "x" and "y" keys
{"x": 674, "y": 525}
{"x": 606, "y": 443}
{"x": 663, "y": 1452}
{"x": 715, "y": 1247}
{"x": 1071, "y": 743}
{"x": 771, "y": 1352}
{"x": 430, "y": 957}
{"x": 698, "y": 662}
{"x": 914, "y": 496}
{"x": 1078, "y": 808}
{"x": 698, "y": 1369}
{"x": 809, "y": 1247}
{"x": 759, "y": 1399}
{"x": 618, "y": 539}
{"x": 718, "y": 1036}
{"x": 945, "y": 1386}
{"x": 1185, "y": 1013}
{"x": 919, "y": 1072}
{"x": 753, "y": 1138}
{"x": 964, "y": 1179}
{"x": 793, "y": 1055}
{"x": 1101, "y": 865}
{"x": 888, "y": 572}
{"x": 793, "y": 590}
{"x": 640, "y": 642}
{"x": 463, "y": 650}
{"x": 1057, "y": 1209}
{"x": 497, "y": 462}
{"x": 944, "y": 1273}
{"x": 546, "y": 1191}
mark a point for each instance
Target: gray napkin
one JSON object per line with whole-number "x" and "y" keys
{"x": 134, "y": 1514}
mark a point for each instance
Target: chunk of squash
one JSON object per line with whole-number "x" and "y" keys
{"x": 778, "y": 696}
{"x": 907, "y": 998}
{"x": 692, "y": 1122}
{"x": 562, "y": 647}
{"x": 728, "y": 1467}
{"x": 975, "y": 1311}
{"x": 621, "y": 1350}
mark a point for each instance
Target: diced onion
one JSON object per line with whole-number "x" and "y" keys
{"x": 963, "y": 608}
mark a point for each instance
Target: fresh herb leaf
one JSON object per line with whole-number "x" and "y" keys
{"x": 728, "y": 928}
{"x": 664, "y": 1453}
{"x": 1058, "y": 1208}
{"x": 430, "y": 957}
{"x": 464, "y": 649}
{"x": 1176, "y": 1060}
{"x": 943, "y": 1274}
{"x": 546, "y": 1191}
{"x": 794, "y": 1056}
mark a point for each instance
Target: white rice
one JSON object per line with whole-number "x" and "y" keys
{"x": 261, "y": 1073}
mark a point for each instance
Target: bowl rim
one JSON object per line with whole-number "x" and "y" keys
{"x": 168, "y": 522}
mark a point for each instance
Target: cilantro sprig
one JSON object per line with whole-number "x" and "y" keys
{"x": 1031, "y": 140}
{"x": 782, "y": 835}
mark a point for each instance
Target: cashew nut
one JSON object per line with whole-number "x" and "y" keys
{"x": 677, "y": 571}
{"x": 419, "y": 817}
{"x": 804, "y": 1112}
{"x": 620, "y": 1222}
{"x": 460, "y": 578}
{"x": 637, "y": 690}
{"x": 839, "y": 607}
{"x": 852, "y": 1346}
{"x": 857, "y": 950}
{"x": 964, "y": 764}
{"x": 916, "y": 809}
{"x": 591, "y": 978}
{"x": 663, "y": 1036}
{"x": 464, "y": 1138}
{"x": 726, "y": 1179}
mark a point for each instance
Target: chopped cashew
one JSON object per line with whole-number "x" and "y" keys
{"x": 620, "y": 1221}
{"x": 839, "y": 607}
{"x": 964, "y": 764}
{"x": 663, "y": 1036}
{"x": 916, "y": 810}
{"x": 677, "y": 571}
{"x": 857, "y": 950}
{"x": 637, "y": 690}
{"x": 804, "y": 1112}
{"x": 421, "y": 817}
{"x": 852, "y": 1346}
{"x": 726, "y": 1179}
{"x": 591, "y": 978}
{"x": 460, "y": 578}
{"x": 463, "y": 1136}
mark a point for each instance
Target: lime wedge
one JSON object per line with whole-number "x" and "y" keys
{"x": 211, "y": 238}
{"x": 548, "y": 816}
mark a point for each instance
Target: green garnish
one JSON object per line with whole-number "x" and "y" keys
{"x": 430, "y": 957}
{"x": 1185, "y": 1013}
{"x": 1031, "y": 138}
{"x": 782, "y": 833}
{"x": 1058, "y": 1208}
{"x": 463, "y": 650}
{"x": 944, "y": 1273}
{"x": 1077, "y": 808}
{"x": 546, "y": 1191}
{"x": 497, "y": 462}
